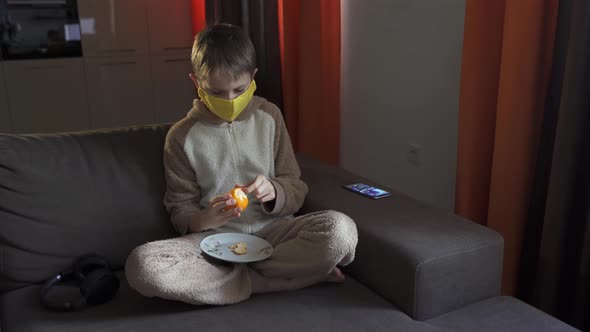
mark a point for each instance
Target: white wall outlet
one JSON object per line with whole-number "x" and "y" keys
{"x": 414, "y": 154}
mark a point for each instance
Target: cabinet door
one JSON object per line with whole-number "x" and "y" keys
{"x": 174, "y": 91}
{"x": 5, "y": 123}
{"x": 113, "y": 27}
{"x": 46, "y": 95}
{"x": 119, "y": 91}
{"x": 170, "y": 27}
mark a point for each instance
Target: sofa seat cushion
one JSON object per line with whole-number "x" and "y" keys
{"x": 501, "y": 313}
{"x": 328, "y": 307}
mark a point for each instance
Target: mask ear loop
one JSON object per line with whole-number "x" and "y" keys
{"x": 195, "y": 82}
{"x": 194, "y": 79}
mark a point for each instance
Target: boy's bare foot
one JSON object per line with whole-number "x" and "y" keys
{"x": 261, "y": 284}
{"x": 336, "y": 275}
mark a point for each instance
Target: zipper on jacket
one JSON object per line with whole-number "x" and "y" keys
{"x": 234, "y": 146}
{"x": 237, "y": 159}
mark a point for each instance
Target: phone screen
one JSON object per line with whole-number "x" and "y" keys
{"x": 366, "y": 190}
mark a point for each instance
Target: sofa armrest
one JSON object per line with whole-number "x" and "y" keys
{"x": 423, "y": 260}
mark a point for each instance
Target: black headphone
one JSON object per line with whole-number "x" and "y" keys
{"x": 98, "y": 284}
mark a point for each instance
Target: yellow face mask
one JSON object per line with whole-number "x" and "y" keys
{"x": 228, "y": 109}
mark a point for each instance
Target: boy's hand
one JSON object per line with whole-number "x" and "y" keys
{"x": 261, "y": 188}
{"x": 215, "y": 212}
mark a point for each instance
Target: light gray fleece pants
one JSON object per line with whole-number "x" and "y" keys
{"x": 306, "y": 246}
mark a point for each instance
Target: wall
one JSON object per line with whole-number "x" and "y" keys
{"x": 400, "y": 87}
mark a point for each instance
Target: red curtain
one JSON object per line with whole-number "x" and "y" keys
{"x": 310, "y": 49}
{"x": 505, "y": 73}
{"x": 198, "y": 11}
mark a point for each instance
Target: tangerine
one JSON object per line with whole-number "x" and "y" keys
{"x": 240, "y": 197}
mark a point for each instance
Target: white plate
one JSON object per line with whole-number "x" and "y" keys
{"x": 217, "y": 245}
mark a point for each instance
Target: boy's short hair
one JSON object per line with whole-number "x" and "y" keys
{"x": 225, "y": 48}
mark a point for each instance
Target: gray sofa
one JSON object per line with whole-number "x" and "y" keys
{"x": 62, "y": 196}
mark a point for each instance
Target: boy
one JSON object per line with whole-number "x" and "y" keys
{"x": 231, "y": 138}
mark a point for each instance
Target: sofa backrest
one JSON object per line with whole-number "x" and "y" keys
{"x": 65, "y": 195}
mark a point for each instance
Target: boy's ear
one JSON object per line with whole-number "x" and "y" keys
{"x": 194, "y": 79}
{"x": 254, "y": 73}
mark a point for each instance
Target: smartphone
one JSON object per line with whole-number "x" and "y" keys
{"x": 367, "y": 191}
